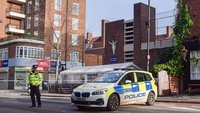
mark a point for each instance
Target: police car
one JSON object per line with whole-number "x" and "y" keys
{"x": 116, "y": 88}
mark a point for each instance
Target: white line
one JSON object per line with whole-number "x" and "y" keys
{"x": 184, "y": 108}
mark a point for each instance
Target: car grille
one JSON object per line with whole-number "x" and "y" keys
{"x": 77, "y": 94}
{"x": 84, "y": 94}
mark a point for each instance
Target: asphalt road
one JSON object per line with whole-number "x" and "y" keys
{"x": 20, "y": 104}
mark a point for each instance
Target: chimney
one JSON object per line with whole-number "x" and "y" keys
{"x": 169, "y": 31}
{"x": 103, "y": 31}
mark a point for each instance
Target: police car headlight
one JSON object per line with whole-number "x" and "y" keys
{"x": 99, "y": 92}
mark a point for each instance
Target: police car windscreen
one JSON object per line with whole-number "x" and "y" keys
{"x": 110, "y": 77}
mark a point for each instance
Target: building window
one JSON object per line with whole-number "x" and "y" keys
{"x": 58, "y": 4}
{"x": 36, "y": 20}
{"x": 56, "y": 37}
{"x": 57, "y": 20}
{"x": 74, "y": 56}
{"x": 4, "y": 54}
{"x": 74, "y": 39}
{"x": 54, "y": 54}
{"x": 74, "y": 24}
{"x": 195, "y": 66}
{"x": 75, "y": 8}
{"x": 29, "y": 52}
{"x": 28, "y": 23}
{"x": 37, "y": 4}
{"x": 29, "y": 7}
{"x": 36, "y": 33}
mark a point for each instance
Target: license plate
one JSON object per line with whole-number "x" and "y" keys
{"x": 81, "y": 99}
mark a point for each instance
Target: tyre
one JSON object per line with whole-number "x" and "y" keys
{"x": 113, "y": 102}
{"x": 150, "y": 99}
{"x": 82, "y": 107}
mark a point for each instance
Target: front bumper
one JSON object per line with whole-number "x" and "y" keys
{"x": 91, "y": 101}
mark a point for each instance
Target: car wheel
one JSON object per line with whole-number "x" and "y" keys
{"x": 82, "y": 107}
{"x": 113, "y": 102}
{"x": 151, "y": 98}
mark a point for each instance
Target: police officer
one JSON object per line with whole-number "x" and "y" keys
{"x": 35, "y": 80}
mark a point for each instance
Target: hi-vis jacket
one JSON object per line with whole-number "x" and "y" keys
{"x": 35, "y": 79}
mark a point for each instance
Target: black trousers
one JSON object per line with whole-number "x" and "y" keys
{"x": 35, "y": 91}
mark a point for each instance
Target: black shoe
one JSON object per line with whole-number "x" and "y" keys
{"x": 39, "y": 106}
{"x": 32, "y": 106}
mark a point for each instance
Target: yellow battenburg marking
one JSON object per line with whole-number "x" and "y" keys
{"x": 153, "y": 85}
{"x": 127, "y": 88}
{"x": 142, "y": 86}
{"x": 110, "y": 91}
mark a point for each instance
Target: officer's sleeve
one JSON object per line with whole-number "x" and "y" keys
{"x": 40, "y": 78}
{"x": 28, "y": 79}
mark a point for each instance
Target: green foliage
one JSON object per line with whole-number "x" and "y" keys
{"x": 174, "y": 65}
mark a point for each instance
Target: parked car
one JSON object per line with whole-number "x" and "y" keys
{"x": 114, "y": 88}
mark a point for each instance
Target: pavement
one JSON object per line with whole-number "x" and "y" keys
{"x": 172, "y": 99}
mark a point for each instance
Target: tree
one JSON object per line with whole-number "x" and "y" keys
{"x": 174, "y": 65}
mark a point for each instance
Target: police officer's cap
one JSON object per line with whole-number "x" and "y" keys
{"x": 34, "y": 66}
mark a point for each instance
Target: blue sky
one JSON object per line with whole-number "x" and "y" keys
{"x": 120, "y": 9}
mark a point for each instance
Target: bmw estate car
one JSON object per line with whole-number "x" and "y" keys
{"x": 116, "y": 88}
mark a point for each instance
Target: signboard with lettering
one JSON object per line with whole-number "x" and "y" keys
{"x": 3, "y": 63}
{"x": 43, "y": 63}
{"x": 113, "y": 59}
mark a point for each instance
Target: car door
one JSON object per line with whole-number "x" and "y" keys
{"x": 141, "y": 80}
{"x": 124, "y": 87}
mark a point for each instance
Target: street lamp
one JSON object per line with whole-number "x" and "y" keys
{"x": 148, "y": 37}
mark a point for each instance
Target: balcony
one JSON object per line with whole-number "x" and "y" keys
{"x": 17, "y": 1}
{"x": 15, "y": 13}
{"x": 14, "y": 29}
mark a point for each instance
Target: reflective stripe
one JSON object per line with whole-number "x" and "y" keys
{"x": 119, "y": 89}
{"x": 135, "y": 87}
{"x": 110, "y": 91}
{"x": 142, "y": 86}
{"x": 148, "y": 85}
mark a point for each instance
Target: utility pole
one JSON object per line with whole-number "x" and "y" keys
{"x": 149, "y": 33}
{"x": 66, "y": 35}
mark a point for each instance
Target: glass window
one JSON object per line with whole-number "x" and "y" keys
{"x": 28, "y": 22}
{"x": 58, "y": 4}
{"x": 36, "y": 33}
{"x": 195, "y": 66}
{"x": 110, "y": 77}
{"x": 74, "y": 24}
{"x": 29, "y": 7}
{"x": 74, "y": 40}
{"x": 56, "y": 37}
{"x": 29, "y": 52}
{"x": 128, "y": 76}
{"x": 75, "y": 8}
{"x": 37, "y": 4}
{"x": 140, "y": 77}
{"x": 4, "y": 54}
{"x": 74, "y": 56}
{"x": 36, "y": 20}
{"x": 57, "y": 20}
{"x": 54, "y": 54}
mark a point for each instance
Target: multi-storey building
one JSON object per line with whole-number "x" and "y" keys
{"x": 126, "y": 40}
{"x": 37, "y": 32}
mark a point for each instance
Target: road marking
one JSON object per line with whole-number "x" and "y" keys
{"x": 184, "y": 108}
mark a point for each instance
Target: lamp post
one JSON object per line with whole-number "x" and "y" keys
{"x": 148, "y": 36}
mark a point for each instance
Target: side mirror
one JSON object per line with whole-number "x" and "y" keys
{"x": 128, "y": 82}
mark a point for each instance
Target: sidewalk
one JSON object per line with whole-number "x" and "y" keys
{"x": 175, "y": 99}
{"x": 180, "y": 99}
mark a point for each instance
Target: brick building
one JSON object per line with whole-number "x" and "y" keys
{"x": 30, "y": 31}
{"x": 126, "y": 40}
{"x": 192, "y": 44}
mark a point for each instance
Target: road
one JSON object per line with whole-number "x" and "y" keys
{"x": 20, "y": 104}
